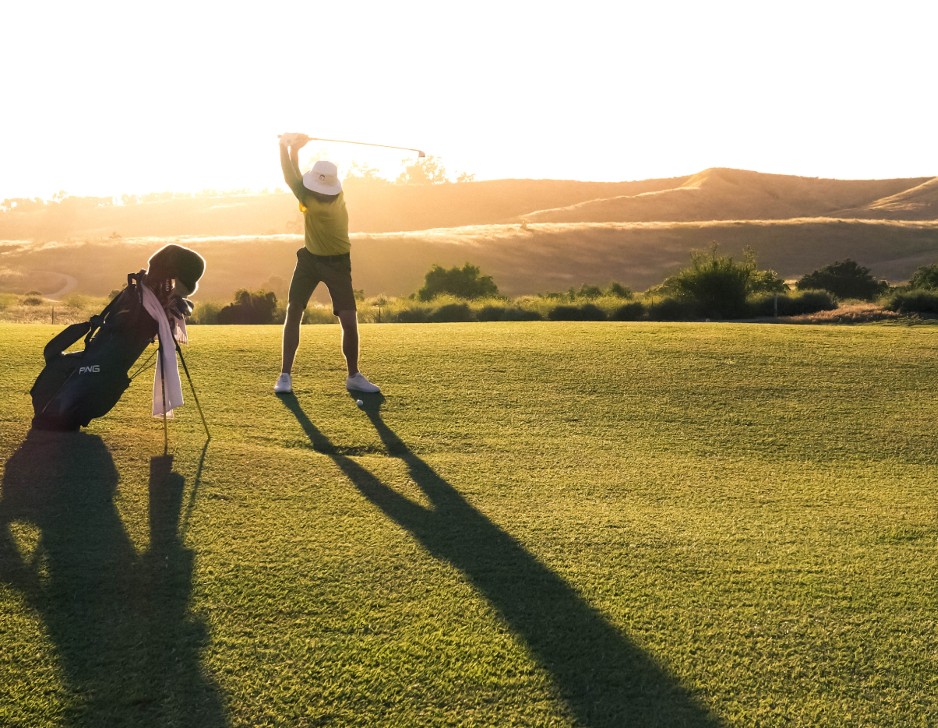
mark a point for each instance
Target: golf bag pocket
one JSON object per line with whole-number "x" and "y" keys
{"x": 49, "y": 384}
{"x": 73, "y": 389}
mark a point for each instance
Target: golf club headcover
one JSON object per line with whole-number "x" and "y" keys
{"x": 180, "y": 264}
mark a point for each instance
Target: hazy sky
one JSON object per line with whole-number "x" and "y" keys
{"x": 110, "y": 96}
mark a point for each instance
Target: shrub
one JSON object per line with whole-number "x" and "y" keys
{"x": 810, "y": 302}
{"x": 845, "y": 279}
{"x": 83, "y": 301}
{"x": 372, "y": 310}
{"x": 32, "y": 298}
{"x": 413, "y": 315}
{"x": 715, "y": 283}
{"x": 491, "y": 312}
{"x": 538, "y": 305}
{"x": 516, "y": 313}
{"x": 205, "y": 312}
{"x": 673, "y": 309}
{"x": 586, "y": 312}
{"x": 316, "y": 313}
{"x": 465, "y": 282}
{"x": 451, "y": 312}
{"x": 628, "y": 312}
{"x": 503, "y": 312}
{"x": 250, "y": 307}
{"x": 925, "y": 278}
{"x": 792, "y": 304}
{"x": 592, "y": 312}
{"x": 915, "y": 301}
{"x": 564, "y": 313}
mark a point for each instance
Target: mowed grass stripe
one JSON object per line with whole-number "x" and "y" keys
{"x": 544, "y": 524}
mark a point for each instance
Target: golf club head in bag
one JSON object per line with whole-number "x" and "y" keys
{"x": 74, "y": 388}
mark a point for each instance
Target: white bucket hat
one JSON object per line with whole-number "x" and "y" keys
{"x": 323, "y": 178}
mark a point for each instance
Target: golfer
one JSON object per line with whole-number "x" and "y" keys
{"x": 324, "y": 257}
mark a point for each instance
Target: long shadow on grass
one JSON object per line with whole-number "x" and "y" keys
{"x": 604, "y": 678}
{"x": 127, "y": 646}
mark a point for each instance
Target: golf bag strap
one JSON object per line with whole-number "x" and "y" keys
{"x": 61, "y": 341}
{"x": 95, "y": 322}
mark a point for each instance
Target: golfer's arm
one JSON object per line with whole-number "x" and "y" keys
{"x": 291, "y": 172}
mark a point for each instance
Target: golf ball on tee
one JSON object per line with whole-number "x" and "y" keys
{"x": 359, "y": 403}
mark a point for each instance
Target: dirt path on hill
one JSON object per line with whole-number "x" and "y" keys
{"x": 70, "y": 283}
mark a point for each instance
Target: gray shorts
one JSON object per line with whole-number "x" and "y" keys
{"x": 333, "y": 270}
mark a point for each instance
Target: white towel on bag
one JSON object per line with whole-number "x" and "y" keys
{"x": 166, "y": 362}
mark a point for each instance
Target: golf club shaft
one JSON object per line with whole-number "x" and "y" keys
{"x": 367, "y": 144}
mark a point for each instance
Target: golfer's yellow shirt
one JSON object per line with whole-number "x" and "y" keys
{"x": 326, "y": 226}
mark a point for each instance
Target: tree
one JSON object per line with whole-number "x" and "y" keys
{"x": 364, "y": 174}
{"x": 925, "y": 278}
{"x": 845, "y": 279}
{"x": 588, "y": 291}
{"x": 766, "y": 281}
{"x": 618, "y": 290}
{"x": 465, "y": 282}
{"x": 428, "y": 170}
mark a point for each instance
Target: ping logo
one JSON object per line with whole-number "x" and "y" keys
{"x": 93, "y": 369}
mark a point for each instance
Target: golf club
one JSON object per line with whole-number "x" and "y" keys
{"x": 420, "y": 154}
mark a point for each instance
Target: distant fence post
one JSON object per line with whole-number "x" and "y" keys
{"x": 53, "y": 314}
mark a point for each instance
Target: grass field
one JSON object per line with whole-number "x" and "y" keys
{"x": 542, "y": 524}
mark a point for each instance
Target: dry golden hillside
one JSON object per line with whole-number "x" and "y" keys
{"x": 374, "y": 206}
{"x": 916, "y": 203}
{"x": 531, "y": 235}
{"x": 535, "y": 258}
{"x": 727, "y": 194}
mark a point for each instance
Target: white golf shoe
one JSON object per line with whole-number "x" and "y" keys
{"x": 284, "y": 384}
{"x": 357, "y": 383}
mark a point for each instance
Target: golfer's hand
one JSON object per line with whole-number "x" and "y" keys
{"x": 296, "y": 141}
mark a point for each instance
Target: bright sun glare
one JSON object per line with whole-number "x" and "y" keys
{"x": 110, "y": 97}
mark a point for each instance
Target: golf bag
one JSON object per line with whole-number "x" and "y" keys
{"x": 74, "y": 388}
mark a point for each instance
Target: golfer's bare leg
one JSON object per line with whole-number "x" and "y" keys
{"x": 349, "y": 321}
{"x": 291, "y": 336}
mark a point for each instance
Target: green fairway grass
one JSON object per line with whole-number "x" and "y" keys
{"x": 538, "y": 524}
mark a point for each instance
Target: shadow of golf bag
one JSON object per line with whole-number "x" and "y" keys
{"x": 74, "y": 388}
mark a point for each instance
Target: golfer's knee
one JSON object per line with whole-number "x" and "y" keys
{"x": 348, "y": 319}
{"x": 294, "y": 315}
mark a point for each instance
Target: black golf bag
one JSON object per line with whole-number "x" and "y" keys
{"x": 74, "y": 388}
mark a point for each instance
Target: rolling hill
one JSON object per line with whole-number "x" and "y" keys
{"x": 530, "y": 235}
{"x": 915, "y": 203}
{"x": 724, "y": 194}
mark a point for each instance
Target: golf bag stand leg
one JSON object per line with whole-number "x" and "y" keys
{"x": 162, "y": 369}
{"x": 208, "y": 435}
